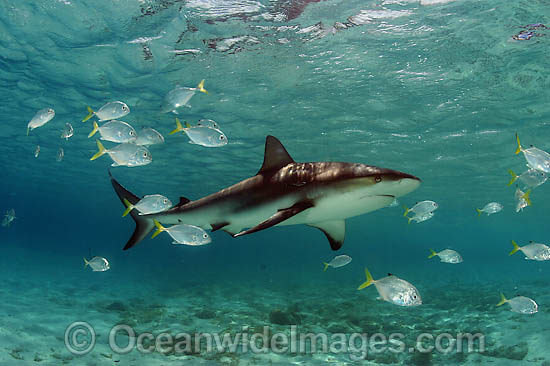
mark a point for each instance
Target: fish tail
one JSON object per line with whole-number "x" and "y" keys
{"x": 326, "y": 266}
{"x": 129, "y": 207}
{"x": 368, "y": 282}
{"x": 410, "y": 219}
{"x": 96, "y": 128}
{"x": 86, "y": 263}
{"x": 406, "y": 211}
{"x": 160, "y": 228}
{"x": 433, "y": 254}
{"x": 179, "y": 127}
{"x": 187, "y": 125}
{"x": 525, "y": 196}
{"x": 478, "y": 212}
{"x": 101, "y": 151}
{"x": 514, "y": 177}
{"x": 144, "y": 224}
{"x": 28, "y": 130}
{"x": 90, "y": 114}
{"x": 518, "y": 150}
{"x": 200, "y": 87}
{"x": 503, "y": 300}
{"x": 516, "y": 248}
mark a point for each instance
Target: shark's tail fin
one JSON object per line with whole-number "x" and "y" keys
{"x": 144, "y": 225}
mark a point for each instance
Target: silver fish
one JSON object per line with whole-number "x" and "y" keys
{"x": 149, "y": 136}
{"x": 97, "y": 264}
{"x": 184, "y": 234}
{"x": 37, "y": 151}
{"x": 67, "y": 132}
{"x": 8, "y": 218}
{"x": 490, "y": 208}
{"x": 338, "y": 261}
{"x": 536, "y": 158}
{"x": 531, "y": 178}
{"x": 520, "y": 304}
{"x": 41, "y": 117}
{"x": 421, "y": 218}
{"x": 204, "y": 136}
{"x": 149, "y": 204}
{"x": 422, "y": 208}
{"x": 180, "y": 97}
{"x": 533, "y": 251}
{"x": 115, "y": 131}
{"x": 522, "y": 199}
{"x": 447, "y": 256}
{"x": 60, "y": 155}
{"x": 208, "y": 123}
{"x": 393, "y": 289}
{"x": 109, "y": 111}
{"x": 125, "y": 154}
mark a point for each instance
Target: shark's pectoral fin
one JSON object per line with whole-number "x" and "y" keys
{"x": 279, "y": 217}
{"x": 334, "y": 230}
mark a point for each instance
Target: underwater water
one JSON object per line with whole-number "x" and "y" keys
{"x": 432, "y": 88}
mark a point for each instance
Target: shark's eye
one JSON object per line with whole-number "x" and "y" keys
{"x": 377, "y": 179}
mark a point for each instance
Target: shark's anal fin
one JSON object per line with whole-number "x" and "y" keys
{"x": 219, "y": 225}
{"x": 278, "y": 217}
{"x": 335, "y": 232}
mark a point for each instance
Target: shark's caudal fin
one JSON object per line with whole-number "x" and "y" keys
{"x": 143, "y": 225}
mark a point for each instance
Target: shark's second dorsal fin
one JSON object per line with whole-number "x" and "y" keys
{"x": 275, "y": 156}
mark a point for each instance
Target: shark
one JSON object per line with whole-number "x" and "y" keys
{"x": 283, "y": 192}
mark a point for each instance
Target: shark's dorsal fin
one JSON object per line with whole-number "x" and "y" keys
{"x": 275, "y": 156}
{"x": 183, "y": 201}
{"x": 219, "y": 225}
{"x": 335, "y": 231}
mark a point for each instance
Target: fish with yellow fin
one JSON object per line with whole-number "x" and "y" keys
{"x": 536, "y": 158}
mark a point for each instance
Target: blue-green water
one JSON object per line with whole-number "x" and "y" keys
{"x": 433, "y": 89}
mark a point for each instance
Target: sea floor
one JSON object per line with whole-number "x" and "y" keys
{"x": 39, "y": 303}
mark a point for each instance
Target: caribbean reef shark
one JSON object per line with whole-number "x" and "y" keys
{"x": 284, "y": 192}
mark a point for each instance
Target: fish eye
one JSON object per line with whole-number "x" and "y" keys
{"x": 124, "y": 108}
{"x": 145, "y": 154}
{"x": 222, "y": 137}
{"x": 132, "y": 133}
{"x": 165, "y": 200}
{"x": 205, "y": 236}
{"x": 377, "y": 179}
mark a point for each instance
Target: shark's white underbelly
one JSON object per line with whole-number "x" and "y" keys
{"x": 326, "y": 208}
